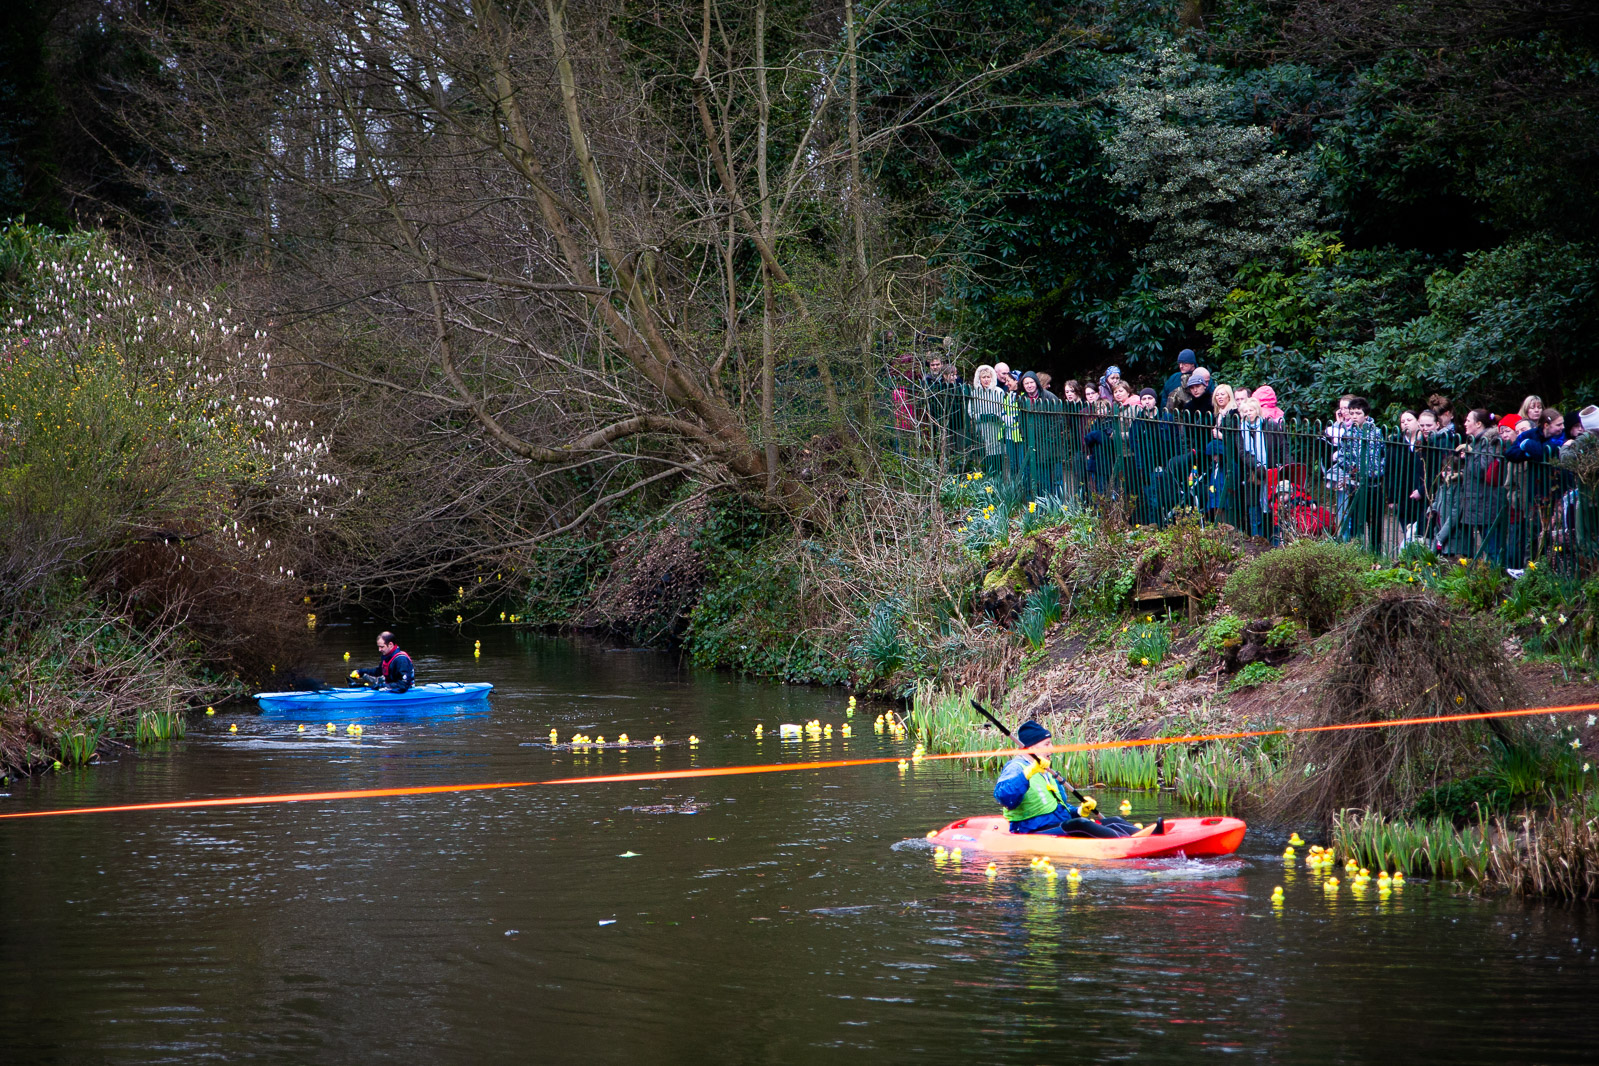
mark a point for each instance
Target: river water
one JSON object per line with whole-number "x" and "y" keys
{"x": 794, "y": 917}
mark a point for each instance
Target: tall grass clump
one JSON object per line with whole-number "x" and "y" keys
{"x": 1219, "y": 775}
{"x": 881, "y": 649}
{"x": 1547, "y": 854}
{"x": 1136, "y": 768}
{"x": 158, "y": 726}
{"x": 944, "y": 722}
{"x": 1043, "y": 609}
{"x": 1429, "y": 847}
{"x": 1131, "y": 767}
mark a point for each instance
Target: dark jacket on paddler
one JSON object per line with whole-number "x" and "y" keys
{"x": 394, "y": 670}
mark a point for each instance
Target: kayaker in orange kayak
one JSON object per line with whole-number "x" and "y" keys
{"x": 394, "y": 671}
{"x": 1034, "y": 798}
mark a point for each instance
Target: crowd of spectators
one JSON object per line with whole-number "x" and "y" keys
{"x": 1480, "y": 484}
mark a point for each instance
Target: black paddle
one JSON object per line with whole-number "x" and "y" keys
{"x": 1001, "y": 727}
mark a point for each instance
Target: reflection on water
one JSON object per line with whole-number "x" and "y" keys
{"x": 786, "y": 918}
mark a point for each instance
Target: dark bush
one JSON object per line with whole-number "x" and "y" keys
{"x": 1313, "y": 581}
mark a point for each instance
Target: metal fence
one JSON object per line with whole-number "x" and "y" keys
{"x": 1464, "y": 497}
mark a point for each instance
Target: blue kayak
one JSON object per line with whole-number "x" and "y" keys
{"x": 371, "y": 701}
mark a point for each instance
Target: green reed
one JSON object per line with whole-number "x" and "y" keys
{"x": 78, "y": 747}
{"x": 1425, "y": 846}
{"x": 1215, "y": 776}
{"x": 156, "y": 726}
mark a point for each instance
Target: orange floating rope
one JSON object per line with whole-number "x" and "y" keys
{"x": 782, "y": 767}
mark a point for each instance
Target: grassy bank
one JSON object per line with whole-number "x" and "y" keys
{"x": 83, "y": 682}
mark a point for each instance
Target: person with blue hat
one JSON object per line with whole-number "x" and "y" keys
{"x": 1186, "y": 361}
{"x": 1034, "y": 796}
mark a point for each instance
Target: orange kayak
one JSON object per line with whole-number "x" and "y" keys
{"x": 1188, "y": 837}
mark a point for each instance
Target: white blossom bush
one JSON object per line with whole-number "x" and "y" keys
{"x": 1214, "y": 193}
{"x": 134, "y": 419}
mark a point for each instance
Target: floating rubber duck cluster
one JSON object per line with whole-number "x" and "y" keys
{"x": 1323, "y": 861}
{"x": 815, "y": 729}
{"x": 889, "y": 723}
{"x": 583, "y": 740}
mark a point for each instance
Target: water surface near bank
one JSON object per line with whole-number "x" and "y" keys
{"x": 792, "y": 917}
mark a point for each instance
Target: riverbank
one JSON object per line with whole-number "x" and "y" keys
{"x": 1106, "y": 630}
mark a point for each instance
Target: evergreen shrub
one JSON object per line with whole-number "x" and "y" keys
{"x": 1313, "y": 581}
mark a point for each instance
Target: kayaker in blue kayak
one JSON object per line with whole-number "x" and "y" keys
{"x": 1034, "y": 799}
{"x": 394, "y": 671}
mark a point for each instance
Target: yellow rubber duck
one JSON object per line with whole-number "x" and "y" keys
{"x": 1050, "y": 872}
{"x": 759, "y": 729}
{"x": 1126, "y": 807}
{"x": 903, "y": 766}
{"x": 1295, "y": 841}
{"x": 1277, "y": 894}
{"x": 843, "y": 730}
{"x": 210, "y": 710}
{"x": 1399, "y": 879}
{"x": 302, "y": 727}
{"x": 599, "y": 740}
{"x": 1331, "y": 885}
{"x": 622, "y": 738}
{"x": 577, "y": 738}
{"x": 332, "y": 728}
{"x": 1288, "y": 853}
{"x": 693, "y": 740}
{"x": 657, "y": 741}
{"x": 955, "y": 854}
{"x": 1073, "y": 875}
{"x": 346, "y": 656}
{"x": 555, "y": 738}
{"x": 233, "y": 728}
{"x": 992, "y": 871}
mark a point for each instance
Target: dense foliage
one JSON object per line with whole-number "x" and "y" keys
{"x": 1337, "y": 209}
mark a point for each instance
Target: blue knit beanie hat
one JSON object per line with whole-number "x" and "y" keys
{"x": 1031, "y": 733}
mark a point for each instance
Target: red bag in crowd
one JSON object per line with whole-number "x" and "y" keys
{"x": 1292, "y": 506}
{"x": 1311, "y": 519}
